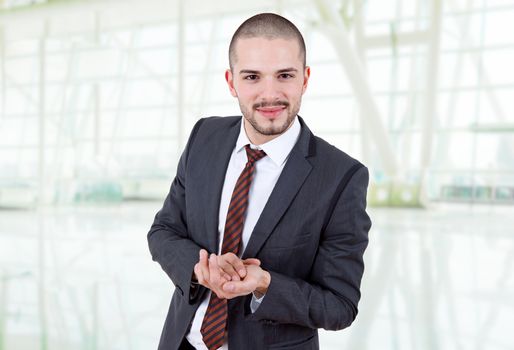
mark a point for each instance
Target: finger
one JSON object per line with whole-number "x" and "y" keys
{"x": 236, "y": 263}
{"x": 223, "y": 276}
{"x": 236, "y": 288}
{"x": 199, "y": 275}
{"x": 226, "y": 266}
{"x": 215, "y": 279}
{"x": 204, "y": 266}
{"x": 214, "y": 271}
{"x": 203, "y": 255}
{"x": 226, "y": 276}
{"x": 246, "y": 286}
{"x": 252, "y": 261}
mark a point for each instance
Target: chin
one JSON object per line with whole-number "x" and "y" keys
{"x": 274, "y": 127}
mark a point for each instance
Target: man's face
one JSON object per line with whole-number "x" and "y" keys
{"x": 268, "y": 79}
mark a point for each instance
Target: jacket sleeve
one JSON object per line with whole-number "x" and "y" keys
{"x": 168, "y": 238}
{"x": 328, "y": 298}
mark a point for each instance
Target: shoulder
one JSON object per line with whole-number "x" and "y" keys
{"x": 322, "y": 155}
{"x": 218, "y": 122}
{"x": 213, "y": 126}
{"x": 336, "y": 170}
{"x": 332, "y": 159}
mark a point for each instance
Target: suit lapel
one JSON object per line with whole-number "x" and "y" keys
{"x": 222, "y": 146}
{"x": 289, "y": 183}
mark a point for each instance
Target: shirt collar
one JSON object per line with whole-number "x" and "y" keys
{"x": 277, "y": 149}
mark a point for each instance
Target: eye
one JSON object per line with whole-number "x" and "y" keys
{"x": 285, "y": 76}
{"x": 251, "y": 77}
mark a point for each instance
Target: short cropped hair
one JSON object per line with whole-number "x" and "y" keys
{"x": 269, "y": 26}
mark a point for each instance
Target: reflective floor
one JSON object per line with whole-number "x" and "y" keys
{"x": 82, "y": 278}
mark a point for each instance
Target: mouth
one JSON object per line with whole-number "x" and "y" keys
{"x": 271, "y": 112}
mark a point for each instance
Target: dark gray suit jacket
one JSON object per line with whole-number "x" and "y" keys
{"x": 311, "y": 237}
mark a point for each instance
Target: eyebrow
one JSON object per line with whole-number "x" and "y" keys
{"x": 248, "y": 71}
{"x": 285, "y": 70}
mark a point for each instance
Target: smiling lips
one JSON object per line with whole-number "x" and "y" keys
{"x": 271, "y": 112}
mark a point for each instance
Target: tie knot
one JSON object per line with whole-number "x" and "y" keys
{"x": 254, "y": 154}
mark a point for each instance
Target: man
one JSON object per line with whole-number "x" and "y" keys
{"x": 264, "y": 228}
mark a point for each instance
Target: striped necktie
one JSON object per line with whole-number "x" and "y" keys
{"x": 215, "y": 320}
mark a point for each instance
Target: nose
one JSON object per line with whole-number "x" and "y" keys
{"x": 270, "y": 90}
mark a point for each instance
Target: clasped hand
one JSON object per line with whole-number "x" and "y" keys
{"x": 229, "y": 276}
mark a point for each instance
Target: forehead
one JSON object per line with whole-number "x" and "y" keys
{"x": 260, "y": 52}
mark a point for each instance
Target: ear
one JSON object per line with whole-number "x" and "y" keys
{"x": 229, "y": 77}
{"x": 306, "y": 76}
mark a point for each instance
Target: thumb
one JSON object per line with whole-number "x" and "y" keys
{"x": 229, "y": 287}
{"x": 252, "y": 261}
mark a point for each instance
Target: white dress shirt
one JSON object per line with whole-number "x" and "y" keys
{"x": 267, "y": 172}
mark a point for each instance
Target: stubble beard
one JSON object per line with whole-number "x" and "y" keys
{"x": 249, "y": 115}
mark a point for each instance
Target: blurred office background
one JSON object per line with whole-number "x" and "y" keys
{"x": 97, "y": 99}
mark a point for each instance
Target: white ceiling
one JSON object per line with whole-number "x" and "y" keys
{"x": 65, "y": 17}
